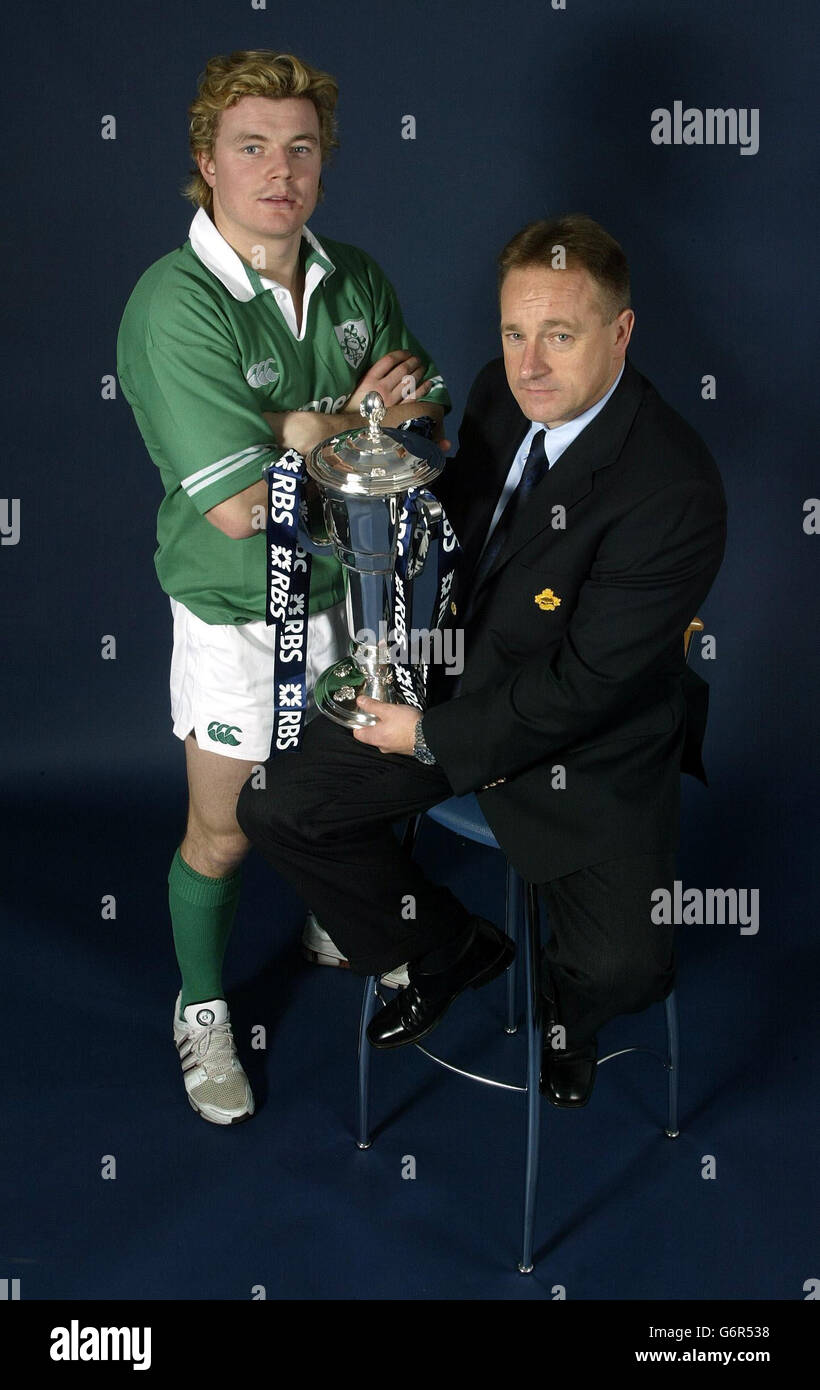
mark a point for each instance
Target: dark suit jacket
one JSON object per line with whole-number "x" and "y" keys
{"x": 574, "y": 650}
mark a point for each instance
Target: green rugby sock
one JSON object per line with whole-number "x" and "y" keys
{"x": 202, "y": 913}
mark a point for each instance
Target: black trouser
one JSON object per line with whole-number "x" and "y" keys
{"x": 324, "y": 820}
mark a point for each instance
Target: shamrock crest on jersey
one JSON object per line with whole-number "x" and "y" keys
{"x": 353, "y": 340}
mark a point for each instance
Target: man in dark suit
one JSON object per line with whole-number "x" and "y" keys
{"x": 592, "y": 522}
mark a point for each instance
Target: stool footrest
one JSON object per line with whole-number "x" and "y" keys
{"x": 623, "y": 1051}
{"x": 471, "y": 1075}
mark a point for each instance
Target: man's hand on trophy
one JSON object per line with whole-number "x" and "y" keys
{"x": 395, "y": 729}
{"x": 391, "y": 376}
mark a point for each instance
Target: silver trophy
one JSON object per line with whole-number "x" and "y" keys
{"x": 363, "y": 477}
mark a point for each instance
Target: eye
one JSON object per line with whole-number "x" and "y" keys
{"x": 301, "y": 149}
{"x": 246, "y": 148}
{"x": 563, "y": 338}
{"x": 514, "y": 337}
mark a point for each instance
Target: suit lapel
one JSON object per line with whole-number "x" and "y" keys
{"x": 571, "y": 478}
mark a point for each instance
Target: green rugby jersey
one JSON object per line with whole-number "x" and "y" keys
{"x": 203, "y": 348}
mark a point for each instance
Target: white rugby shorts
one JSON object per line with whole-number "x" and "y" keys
{"x": 222, "y": 678}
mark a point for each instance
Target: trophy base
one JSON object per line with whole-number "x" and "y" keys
{"x": 338, "y": 688}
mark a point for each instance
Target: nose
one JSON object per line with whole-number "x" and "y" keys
{"x": 534, "y": 361}
{"x": 277, "y": 165}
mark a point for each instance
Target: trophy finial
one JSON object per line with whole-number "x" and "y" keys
{"x": 372, "y": 408}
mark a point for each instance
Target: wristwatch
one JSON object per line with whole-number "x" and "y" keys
{"x": 420, "y": 749}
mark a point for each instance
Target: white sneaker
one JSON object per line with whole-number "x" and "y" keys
{"x": 318, "y": 948}
{"x": 217, "y": 1086}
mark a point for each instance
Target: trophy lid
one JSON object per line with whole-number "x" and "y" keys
{"x": 371, "y": 462}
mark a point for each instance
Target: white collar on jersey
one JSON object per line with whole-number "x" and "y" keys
{"x": 220, "y": 258}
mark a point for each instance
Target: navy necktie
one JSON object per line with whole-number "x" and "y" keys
{"x": 534, "y": 469}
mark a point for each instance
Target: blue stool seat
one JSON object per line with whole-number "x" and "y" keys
{"x": 463, "y": 815}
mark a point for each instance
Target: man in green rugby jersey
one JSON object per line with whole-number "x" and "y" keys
{"x": 254, "y": 337}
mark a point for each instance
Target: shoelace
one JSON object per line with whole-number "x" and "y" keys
{"x": 219, "y": 1061}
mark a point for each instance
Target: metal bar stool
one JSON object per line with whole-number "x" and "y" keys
{"x": 464, "y": 817}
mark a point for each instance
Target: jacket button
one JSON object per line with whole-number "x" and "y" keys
{"x": 453, "y": 609}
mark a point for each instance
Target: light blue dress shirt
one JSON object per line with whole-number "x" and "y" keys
{"x": 555, "y": 442}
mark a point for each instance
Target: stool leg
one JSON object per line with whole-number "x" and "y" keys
{"x": 672, "y": 1063}
{"x": 511, "y": 926}
{"x": 532, "y": 952}
{"x": 363, "y": 1140}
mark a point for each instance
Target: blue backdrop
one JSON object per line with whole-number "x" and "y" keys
{"x": 521, "y": 111}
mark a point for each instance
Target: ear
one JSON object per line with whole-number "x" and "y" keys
{"x": 624, "y": 324}
{"x": 206, "y": 166}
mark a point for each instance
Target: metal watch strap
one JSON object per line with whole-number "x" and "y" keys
{"x": 420, "y": 749}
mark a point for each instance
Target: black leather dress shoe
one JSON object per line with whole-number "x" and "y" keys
{"x": 416, "y": 1010}
{"x": 567, "y": 1077}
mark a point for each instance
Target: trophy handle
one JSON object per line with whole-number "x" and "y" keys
{"x": 315, "y": 518}
{"x": 430, "y": 513}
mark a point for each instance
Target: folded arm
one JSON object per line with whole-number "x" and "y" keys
{"x": 395, "y": 376}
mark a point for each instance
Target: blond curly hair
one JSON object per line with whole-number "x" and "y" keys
{"x": 254, "y": 73}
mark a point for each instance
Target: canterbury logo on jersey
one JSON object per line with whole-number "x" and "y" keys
{"x": 224, "y": 733}
{"x": 263, "y": 373}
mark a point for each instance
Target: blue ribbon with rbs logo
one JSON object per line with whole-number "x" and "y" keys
{"x": 287, "y": 595}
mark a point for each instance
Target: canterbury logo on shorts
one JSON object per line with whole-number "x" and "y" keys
{"x": 224, "y": 733}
